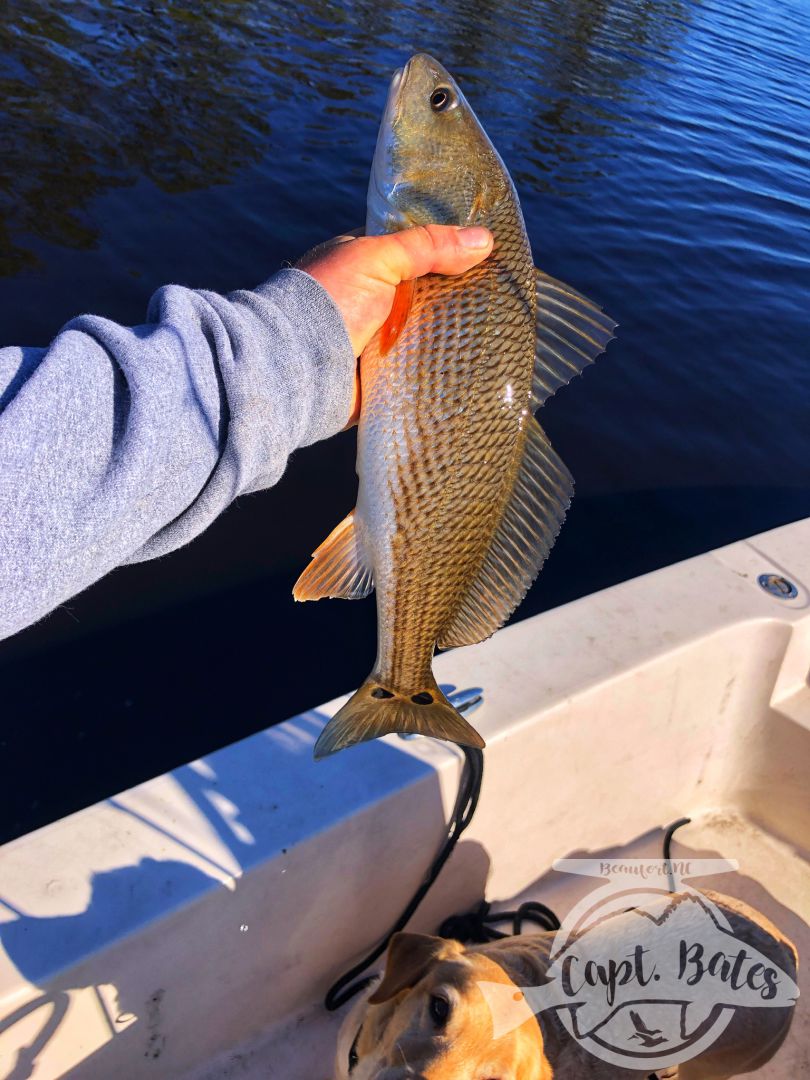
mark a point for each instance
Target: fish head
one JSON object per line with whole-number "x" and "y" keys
{"x": 434, "y": 163}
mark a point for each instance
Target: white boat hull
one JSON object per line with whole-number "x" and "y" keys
{"x": 186, "y": 927}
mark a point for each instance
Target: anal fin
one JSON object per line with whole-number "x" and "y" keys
{"x": 572, "y": 332}
{"x": 339, "y": 567}
{"x": 531, "y": 521}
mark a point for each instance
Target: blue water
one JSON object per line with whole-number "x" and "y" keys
{"x": 661, "y": 152}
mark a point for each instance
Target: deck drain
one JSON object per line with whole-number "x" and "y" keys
{"x": 778, "y": 586}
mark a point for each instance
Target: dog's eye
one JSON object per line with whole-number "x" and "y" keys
{"x": 439, "y": 1010}
{"x": 353, "y": 1058}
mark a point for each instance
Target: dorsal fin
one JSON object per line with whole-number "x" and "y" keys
{"x": 571, "y": 332}
{"x": 339, "y": 567}
{"x": 533, "y": 516}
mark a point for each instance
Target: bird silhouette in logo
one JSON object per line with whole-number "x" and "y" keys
{"x": 646, "y": 1036}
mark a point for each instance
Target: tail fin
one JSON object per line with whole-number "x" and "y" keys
{"x": 374, "y": 710}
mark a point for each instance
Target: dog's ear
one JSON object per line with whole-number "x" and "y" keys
{"x": 409, "y": 957}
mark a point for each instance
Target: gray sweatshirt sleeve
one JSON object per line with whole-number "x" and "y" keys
{"x": 120, "y": 444}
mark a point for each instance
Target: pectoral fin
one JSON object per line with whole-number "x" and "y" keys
{"x": 571, "y": 332}
{"x": 395, "y": 323}
{"x": 339, "y": 567}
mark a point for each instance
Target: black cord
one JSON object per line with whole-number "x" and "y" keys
{"x": 667, "y": 847}
{"x": 466, "y": 801}
{"x": 476, "y": 926}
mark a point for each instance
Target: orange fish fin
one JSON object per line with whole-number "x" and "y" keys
{"x": 531, "y": 521}
{"x": 392, "y": 327}
{"x": 571, "y": 333}
{"x": 339, "y": 567}
{"x": 375, "y": 710}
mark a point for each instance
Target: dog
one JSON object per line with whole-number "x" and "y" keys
{"x": 426, "y": 1017}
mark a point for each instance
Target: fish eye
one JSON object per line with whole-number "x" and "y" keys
{"x": 441, "y": 99}
{"x": 439, "y": 1008}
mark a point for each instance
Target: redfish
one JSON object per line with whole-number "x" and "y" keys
{"x": 461, "y": 494}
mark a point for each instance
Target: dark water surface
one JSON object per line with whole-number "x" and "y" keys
{"x": 661, "y": 151}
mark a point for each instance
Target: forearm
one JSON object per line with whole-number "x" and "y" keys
{"x": 120, "y": 444}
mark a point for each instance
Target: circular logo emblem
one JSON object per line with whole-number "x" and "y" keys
{"x": 645, "y": 972}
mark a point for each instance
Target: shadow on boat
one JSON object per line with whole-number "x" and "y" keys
{"x": 259, "y": 801}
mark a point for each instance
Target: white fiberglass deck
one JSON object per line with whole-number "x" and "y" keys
{"x": 189, "y": 927}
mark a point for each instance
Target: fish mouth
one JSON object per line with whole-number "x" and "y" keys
{"x": 382, "y": 214}
{"x": 392, "y": 102}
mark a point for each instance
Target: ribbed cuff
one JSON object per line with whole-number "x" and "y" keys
{"x": 325, "y": 340}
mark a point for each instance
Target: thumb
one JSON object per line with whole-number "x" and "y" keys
{"x": 361, "y": 275}
{"x": 431, "y": 249}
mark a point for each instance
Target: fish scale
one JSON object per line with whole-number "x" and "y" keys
{"x": 460, "y": 493}
{"x": 474, "y": 452}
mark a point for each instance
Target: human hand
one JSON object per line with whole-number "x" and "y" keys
{"x": 361, "y": 273}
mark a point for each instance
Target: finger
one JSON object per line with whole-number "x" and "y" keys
{"x": 431, "y": 249}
